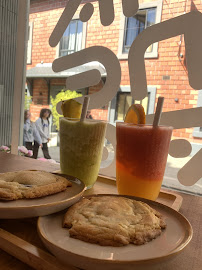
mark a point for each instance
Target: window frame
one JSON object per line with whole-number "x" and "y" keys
{"x": 29, "y": 43}
{"x": 123, "y": 23}
{"x": 197, "y": 133}
{"x": 20, "y": 75}
{"x": 84, "y": 33}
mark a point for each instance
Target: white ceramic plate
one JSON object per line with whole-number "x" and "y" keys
{"x": 91, "y": 256}
{"x": 45, "y": 205}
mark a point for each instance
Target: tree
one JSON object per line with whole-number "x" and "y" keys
{"x": 28, "y": 101}
{"x": 63, "y": 95}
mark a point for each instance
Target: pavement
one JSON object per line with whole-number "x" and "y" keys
{"x": 170, "y": 178}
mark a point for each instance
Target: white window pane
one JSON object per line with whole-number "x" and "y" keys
{"x": 72, "y": 38}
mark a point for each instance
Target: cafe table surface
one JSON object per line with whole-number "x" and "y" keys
{"x": 189, "y": 259}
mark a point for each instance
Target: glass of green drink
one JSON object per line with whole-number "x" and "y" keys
{"x": 81, "y": 147}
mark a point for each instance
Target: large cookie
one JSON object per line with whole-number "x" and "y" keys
{"x": 113, "y": 221}
{"x": 30, "y": 184}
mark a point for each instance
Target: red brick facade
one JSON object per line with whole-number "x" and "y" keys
{"x": 45, "y": 14}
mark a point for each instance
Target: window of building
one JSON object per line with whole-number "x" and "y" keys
{"x": 55, "y": 89}
{"x": 147, "y": 15}
{"x": 123, "y": 100}
{"x": 135, "y": 25}
{"x": 72, "y": 39}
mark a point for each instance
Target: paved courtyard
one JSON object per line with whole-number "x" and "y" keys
{"x": 170, "y": 178}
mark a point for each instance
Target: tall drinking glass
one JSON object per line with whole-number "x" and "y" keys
{"x": 81, "y": 147}
{"x": 142, "y": 152}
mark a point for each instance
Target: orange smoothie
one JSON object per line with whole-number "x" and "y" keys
{"x": 141, "y": 157}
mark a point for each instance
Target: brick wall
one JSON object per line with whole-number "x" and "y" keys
{"x": 40, "y": 98}
{"x": 35, "y": 111}
{"x": 45, "y": 14}
{"x": 40, "y": 94}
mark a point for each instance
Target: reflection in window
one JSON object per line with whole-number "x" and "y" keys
{"x": 72, "y": 39}
{"x": 125, "y": 100}
{"x": 135, "y": 25}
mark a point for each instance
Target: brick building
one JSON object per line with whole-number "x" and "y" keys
{"x": 165, "y": 61}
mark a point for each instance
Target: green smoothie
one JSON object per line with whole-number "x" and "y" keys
{"x": 81, "y": 146}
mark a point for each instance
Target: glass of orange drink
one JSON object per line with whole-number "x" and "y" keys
{"x": 141, "y": 156}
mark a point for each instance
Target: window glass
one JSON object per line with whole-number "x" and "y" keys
{"x": 79, "y": 36}
{"x": 135, "y": 25}
{"x": 151, "y": 16}
{"x": 165, "y": 63}
{"x": 124, "y": 101}
{"x": 72, "y": 38}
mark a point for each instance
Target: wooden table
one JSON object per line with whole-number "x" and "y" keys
{"x": 189, "y": 259}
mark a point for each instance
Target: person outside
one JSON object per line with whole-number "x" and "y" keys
{"x": 30, "y": 132}
{"x": 43, "y": 127}
{"x": 88, "y": 115}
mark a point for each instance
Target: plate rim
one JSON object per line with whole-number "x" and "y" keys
{"x": 174, "y": 252}
{"x": 47, "y": 204}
